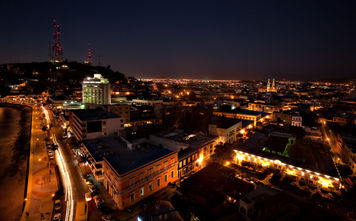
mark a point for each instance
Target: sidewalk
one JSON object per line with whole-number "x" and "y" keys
{"x": 42, "y": 180}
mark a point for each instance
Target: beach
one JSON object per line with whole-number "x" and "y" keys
{"x": 15, "y": 129}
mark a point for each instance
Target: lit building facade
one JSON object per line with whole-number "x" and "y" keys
{"x": 193, "y": 149}
{"x": 134, "y": 174}
{"x": 96, "y": 90}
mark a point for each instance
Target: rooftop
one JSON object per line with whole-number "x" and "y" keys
{"x": 244, "y": 111}
{"x": 223, "y": 122}
{"x": 122, "y": 158}
{"x": 193, "y": 140}
{"x": 95, "y": 114}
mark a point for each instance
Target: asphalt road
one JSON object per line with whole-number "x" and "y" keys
{"x": 79, "y": 187}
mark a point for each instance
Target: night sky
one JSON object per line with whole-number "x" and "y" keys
{"x": 196, "y": 39}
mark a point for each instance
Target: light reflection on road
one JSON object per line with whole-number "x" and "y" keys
{"x": 67, "y": 181}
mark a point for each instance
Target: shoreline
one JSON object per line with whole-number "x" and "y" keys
{"x": 18, "y": 168}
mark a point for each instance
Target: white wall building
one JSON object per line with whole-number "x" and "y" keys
{"x": 96, "y": 90}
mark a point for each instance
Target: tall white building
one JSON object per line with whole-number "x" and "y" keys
{"x": 96, "y": 90}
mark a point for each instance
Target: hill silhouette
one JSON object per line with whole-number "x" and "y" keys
{"x": 46, "y": 76}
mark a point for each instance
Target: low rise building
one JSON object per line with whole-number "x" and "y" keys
{"x": 263, "y": 107}
{"x": 132, "y": 173}
{"x": 242, "y": 114}
{"x": 90, "y": 124}
{"x": 146, "y": 102}
{"x": 122, "y": 109}
{"x": 193, "y": 149}
{"x": 226, "y": 129}
{"x": 288, "y": 118}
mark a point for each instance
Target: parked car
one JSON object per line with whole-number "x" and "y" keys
{"x": 88, "y": 196}
{"x": 57, "y": 217}
{"x": 57, "y": 205}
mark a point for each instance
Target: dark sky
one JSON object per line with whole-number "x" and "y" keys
{"x": 197, "y": 39}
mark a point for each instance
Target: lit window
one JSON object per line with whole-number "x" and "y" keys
{"x": 142, "y": 191}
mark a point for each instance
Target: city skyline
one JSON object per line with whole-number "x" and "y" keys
{"x": 229, "y": 40}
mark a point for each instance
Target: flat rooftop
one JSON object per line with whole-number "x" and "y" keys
{"x": 95, "y": 114}
{"x": 193, "y": 140}
{"x": 223, "y": 122}
{"x": 243, "y": 111}
{"x": 120, "y": 157}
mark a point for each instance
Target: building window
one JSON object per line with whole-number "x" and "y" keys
{"x": 159, "y": 182}
{"x": 132, "y": 181}
{"x": 180, "y": 164}
{"x": 165, "y": 178}
{"x": 150, "y": 186}
{"x": 142, "y": 191}
{"x": 172, "y": 173}
{"x": 132, "y": 197}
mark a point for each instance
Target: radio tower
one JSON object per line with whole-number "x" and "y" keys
{"x": 56, "y": 47}
{"x": 89, "y": 56}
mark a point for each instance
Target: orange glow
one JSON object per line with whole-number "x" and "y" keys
{"x": 291, "y": 172}
{"x": 242, "y": 131}
{"x": 326, "y": 183}
{"x": 200, "y": 159}
{"x": 239, "y": 158}
{"x": 265, "y": 163}
{"x": 227, "y": 163}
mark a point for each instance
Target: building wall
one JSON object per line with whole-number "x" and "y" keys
{"x": 79, "y": 128}
{"x": 96, "y": 92}
{"x": 262, "y": 107}
{"x": 241, "y": 116}
{"x": 120, "y": 109}
{"x": 297, "y": 121}
{"x": 146, "y": 102}
{"x": 286, "y": 118}
{"x": 189, "y": 164}
{"x": 227, "y": 135}
{"x": 126, "y": 189}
